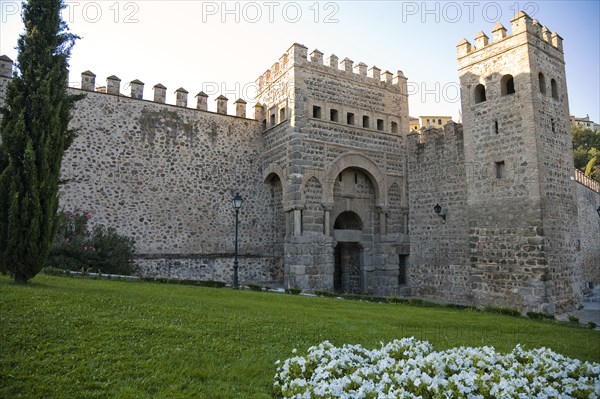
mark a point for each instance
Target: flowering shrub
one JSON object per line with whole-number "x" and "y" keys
{"x": 102, "y": 249}
{"x": 409, "y": 368}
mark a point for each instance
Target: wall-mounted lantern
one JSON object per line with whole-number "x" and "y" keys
{"x": 438, "y": 211}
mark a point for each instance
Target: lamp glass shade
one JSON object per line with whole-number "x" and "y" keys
{"x": 598, "y": 210}
{"x": 237, "y": 201}
{"x": 437, "y": 209}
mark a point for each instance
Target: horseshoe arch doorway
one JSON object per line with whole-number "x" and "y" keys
{"x": 347, "y": 276}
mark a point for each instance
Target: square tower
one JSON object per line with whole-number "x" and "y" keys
{"x": 521, "y": 200}
{"x": 335, "y": 138}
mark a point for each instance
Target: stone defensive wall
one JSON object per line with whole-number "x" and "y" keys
{"x": 588, "y": 202}
{"x": 165, "y": 175}
{"x": 445, "y": 251}
{"x": 439, "y": 245}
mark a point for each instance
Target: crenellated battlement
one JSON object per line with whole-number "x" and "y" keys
{"x": 426, "y": 136}
{"x": 136, "y": 90}
{"x": 297, "y": 55}
{"x": 136, "y": 87}
{"x": 521, "y": 23}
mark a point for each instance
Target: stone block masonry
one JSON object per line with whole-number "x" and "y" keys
{"x": 337, "y": 142}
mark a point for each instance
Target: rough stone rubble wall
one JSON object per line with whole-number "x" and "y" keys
{"x": 165, "y": 175}
{"x": 589, "y": 234}
{"x": 439, "y": 251}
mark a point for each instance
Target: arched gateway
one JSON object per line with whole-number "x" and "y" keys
{"x": 348, "y": 270}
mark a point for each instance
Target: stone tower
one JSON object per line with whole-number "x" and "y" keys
{"x": 521, "y": 204}
{"x": 335, "y": 138}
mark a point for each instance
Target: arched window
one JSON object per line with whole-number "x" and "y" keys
{"x": 554, "y": 88}
{"x": 479, "y": 93}
{"x": 507, "y": 85}
{"x": 542, "y": 81}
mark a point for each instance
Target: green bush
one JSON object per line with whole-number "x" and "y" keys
{"x": 211, "y": 284}
{"x": 101, "y": 250}
{"x": 423, "y": 303}
{"x": 197, "y": 283}
{"x": 461, "y": 307}
{"x": 592, "y": 325}
{"x": 505, "y": 310}
{"x": 403, "y": 301}
{"x": 540, "y": 316}
{"x": 573, "y": 319}
{"x": 293, "y": 291}
{"x": 366, "y": 297}
{"x": 327, "y": 294}
{"x": 254, "y": 287}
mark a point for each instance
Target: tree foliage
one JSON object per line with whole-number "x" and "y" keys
{"x": 586, "y": 151}
{"x": 35, "y": 134}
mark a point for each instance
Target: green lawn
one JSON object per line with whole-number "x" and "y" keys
{"x": 79, "y": 338}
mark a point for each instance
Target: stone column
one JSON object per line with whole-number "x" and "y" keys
{"x": 404, "y": 211}
{"x": 298, "y": 220}
{"x": 383, "y": 210}
{"x": 327, "y": 207}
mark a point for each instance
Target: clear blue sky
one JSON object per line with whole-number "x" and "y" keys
{"x": 222, "y": 47}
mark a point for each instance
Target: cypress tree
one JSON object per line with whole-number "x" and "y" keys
{"x": 35, "y": 134}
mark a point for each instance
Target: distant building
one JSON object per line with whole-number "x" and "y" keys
{"x": 434, "y": 121}
{"x": 585, "y": 123}
{"x": 413, "y": 123}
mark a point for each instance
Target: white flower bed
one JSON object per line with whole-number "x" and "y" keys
{"x": 408, "y": 368}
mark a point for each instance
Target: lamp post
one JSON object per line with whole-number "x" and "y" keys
{"x": 237, "y": 204}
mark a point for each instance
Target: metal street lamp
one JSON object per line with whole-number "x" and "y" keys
{"x": 237, "y": 204}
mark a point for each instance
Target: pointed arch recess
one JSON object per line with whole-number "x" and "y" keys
{"x": 355, "y": 160}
